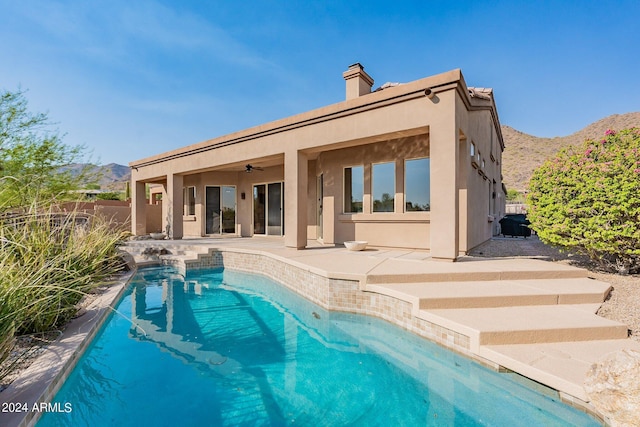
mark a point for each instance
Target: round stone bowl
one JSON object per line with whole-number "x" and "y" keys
{"x": 157, "y": 236}
{"x": 356, "y": 245}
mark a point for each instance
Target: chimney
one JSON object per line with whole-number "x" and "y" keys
{"x": 358, "y": 81}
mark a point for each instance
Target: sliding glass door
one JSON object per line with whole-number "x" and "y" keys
{"x": 268, "y": 204}
{"x": 220, "y": 210}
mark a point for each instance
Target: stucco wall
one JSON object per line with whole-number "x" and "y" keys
{"x": 484, "y": 209}
{"x": 397, "y": 228}
{"x": 155, "y": 223}
{"x": 116, "y": 212}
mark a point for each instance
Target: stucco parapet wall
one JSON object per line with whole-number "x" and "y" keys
{"x": 442, "y": 82}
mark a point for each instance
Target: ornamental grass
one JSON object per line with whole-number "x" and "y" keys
{"x": 48, "y": 261}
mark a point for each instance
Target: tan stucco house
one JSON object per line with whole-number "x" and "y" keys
{"x": 415, "y": 165}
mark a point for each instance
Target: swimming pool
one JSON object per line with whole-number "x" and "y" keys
{"x": 219, "y": 347}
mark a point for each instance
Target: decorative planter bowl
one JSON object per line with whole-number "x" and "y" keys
{"x": 157, "y": 236}
{"x": 356, "y": 245}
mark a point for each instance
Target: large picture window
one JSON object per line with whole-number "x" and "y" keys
{"x": 353, "y": 189}
{"x": 384, "y": 186}
{"x": 189, "y": 199}
{"x": 417, "y": 185}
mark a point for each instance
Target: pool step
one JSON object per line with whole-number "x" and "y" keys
{"x": 526, "y": 324}
{"x": 561, "y": 365}
{"x": 546, "y": 330}
{"x": 511, "y": 311}
{"x": 496, "y": 293}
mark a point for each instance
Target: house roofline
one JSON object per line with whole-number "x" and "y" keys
{"x": 393, "y": 95}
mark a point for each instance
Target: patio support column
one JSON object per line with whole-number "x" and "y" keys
{"x": 443, "y": 143}
{"x": 295, "y": 199}
{"x": 138, "y": 209}
{"x": 172, "y": 206}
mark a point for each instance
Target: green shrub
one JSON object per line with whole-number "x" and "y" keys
{"x": 587, "y": 199}
{"x": 513, "y": 195}
{"x": 111, "y": 195}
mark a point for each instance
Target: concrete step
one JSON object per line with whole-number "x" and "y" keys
{"x": 561, "y": 365}
{"x": 525, "y": 324}
{"x": 471, "y": 270}
{"x": 496, "y": 293}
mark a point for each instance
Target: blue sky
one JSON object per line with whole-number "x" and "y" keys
{"x": 130, "y": 79}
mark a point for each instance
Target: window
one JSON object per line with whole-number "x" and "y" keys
{"x": 384, "y": 186}
{"x": 353, "y": 188}
{"x": 417, "y": 195}
{"x": 473, "y": 150}
{"x": 189, "y": 199}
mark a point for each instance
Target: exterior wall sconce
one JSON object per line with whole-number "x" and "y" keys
{"x": 243, "y": 195}
{"x": 429, "y": 93}
{"x": 475, "y": 156}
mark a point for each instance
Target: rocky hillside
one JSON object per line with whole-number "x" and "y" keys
{"x": 110, "y": 177}
{"x": 524, "y": 153}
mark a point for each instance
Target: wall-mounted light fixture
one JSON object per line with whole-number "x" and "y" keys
{"x": 429, "y": 93}
{"x": 242, "y": 196}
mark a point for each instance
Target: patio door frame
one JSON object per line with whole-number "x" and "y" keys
{"x": 221, "y": 207}
{"x": 267, "y": 207}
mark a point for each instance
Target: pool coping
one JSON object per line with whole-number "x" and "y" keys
{"x": 32, "y": 392}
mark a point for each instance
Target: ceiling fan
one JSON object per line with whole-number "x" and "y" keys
{"x": 249, "y": 168}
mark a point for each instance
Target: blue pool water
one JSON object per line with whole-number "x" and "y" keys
{"x": 222, "y": 348}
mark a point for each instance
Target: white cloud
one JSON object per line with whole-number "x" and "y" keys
{"x": 116, "y": 33}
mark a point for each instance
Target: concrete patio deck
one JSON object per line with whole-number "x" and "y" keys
{"x": 530, "y": 316}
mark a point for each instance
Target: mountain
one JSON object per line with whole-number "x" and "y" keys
{"x": 110, "y": 177}
{"x": 114, "y": 172}
{"x": 524, "y": 153}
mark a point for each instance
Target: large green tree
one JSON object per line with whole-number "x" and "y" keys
{"x": 587, "y": 199}
{"x": 33, "y": 156}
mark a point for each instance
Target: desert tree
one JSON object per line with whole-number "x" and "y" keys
{"x": 34, "y": 160}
